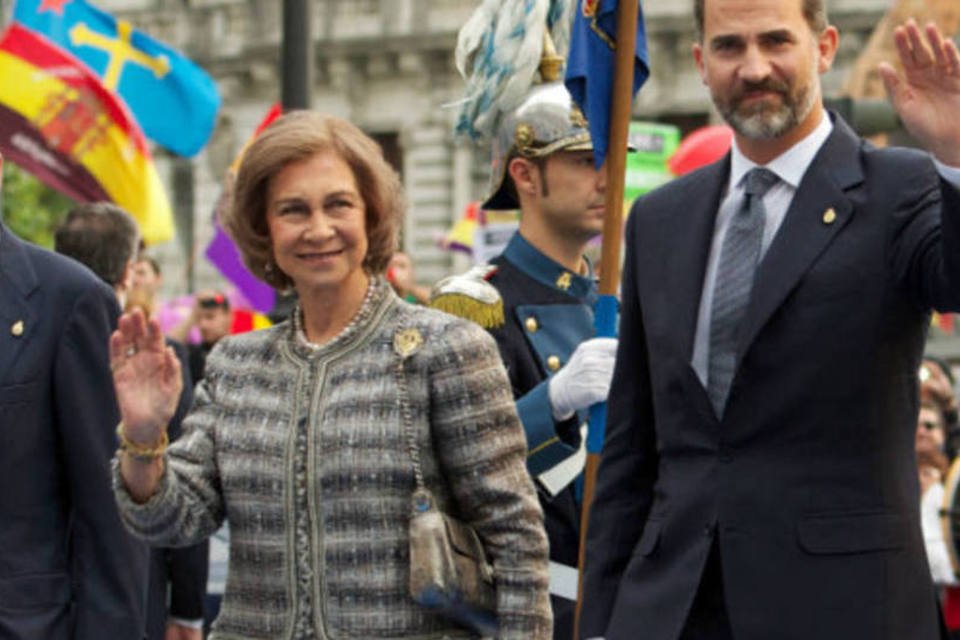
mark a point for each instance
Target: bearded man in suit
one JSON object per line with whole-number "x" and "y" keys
{"x": 758, "y": 478}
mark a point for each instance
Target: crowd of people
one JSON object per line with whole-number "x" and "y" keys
{"x": 779, "y": 454}
{"x": 937, "y": 438}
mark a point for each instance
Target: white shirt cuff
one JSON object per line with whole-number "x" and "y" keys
{"x": 948, "y": 173}
{"x": 190, "y": 624}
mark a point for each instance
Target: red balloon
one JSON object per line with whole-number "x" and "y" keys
{"x": 701, "y": 147}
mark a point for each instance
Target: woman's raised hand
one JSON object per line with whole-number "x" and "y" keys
{"x": 146, "y": 376}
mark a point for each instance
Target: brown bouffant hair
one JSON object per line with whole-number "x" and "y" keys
{"x": 294, "y": 137}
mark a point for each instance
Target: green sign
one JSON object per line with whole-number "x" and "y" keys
{"x": 647, "y": 166}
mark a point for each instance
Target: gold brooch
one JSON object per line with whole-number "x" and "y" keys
{"x": 407, "y": 342}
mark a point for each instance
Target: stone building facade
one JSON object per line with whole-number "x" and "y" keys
{"x": 387, "y": 65}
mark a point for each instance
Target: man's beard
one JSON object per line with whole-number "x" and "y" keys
{"x": 761, "y": 121}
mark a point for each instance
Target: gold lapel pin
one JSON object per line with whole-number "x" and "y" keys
{"x": 17, "y": 328}
{"x": 565, "y": 280}
{"x": 829, "y": 216}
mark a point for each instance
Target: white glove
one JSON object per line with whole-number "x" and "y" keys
{"x": 585, "y": 379}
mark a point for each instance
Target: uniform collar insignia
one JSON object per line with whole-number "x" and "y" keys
{"x": 535, "y": 264}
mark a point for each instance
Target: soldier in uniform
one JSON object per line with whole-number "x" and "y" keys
{"x": 536, "y": 299}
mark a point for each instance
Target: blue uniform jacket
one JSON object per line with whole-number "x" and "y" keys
{"x": 548, "y": 312}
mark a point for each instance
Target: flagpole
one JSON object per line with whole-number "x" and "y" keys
{"x": 296, "y": 55}
{"x": 296, "y": 87}
{"x": 616, "y": 165}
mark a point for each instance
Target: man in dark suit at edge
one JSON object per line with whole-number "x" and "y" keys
{"x": 105, "y": 239}
{"x": 68, "y": 568}
{"x": 758, "y": 479}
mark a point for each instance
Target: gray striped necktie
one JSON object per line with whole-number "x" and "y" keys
{"x": 739, "y": 256}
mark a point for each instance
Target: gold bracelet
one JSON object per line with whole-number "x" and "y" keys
{"x": 139, "y": 451}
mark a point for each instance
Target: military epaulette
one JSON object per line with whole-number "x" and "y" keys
{"x": 470, "y": 296}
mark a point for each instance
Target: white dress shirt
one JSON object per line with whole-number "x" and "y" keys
{"x": 937, "y": 555}
{"x": 789, "y": 167}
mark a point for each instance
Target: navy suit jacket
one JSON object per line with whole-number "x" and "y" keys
{"x": 68, "y": 568}
{"x": 808, "y": 484}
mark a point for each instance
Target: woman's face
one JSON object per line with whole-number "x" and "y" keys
{"x": 316, "y": 219}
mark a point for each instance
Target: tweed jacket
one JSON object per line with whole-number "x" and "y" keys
{"x": 332, "y": 538}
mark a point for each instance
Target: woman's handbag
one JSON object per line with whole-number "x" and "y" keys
{"x": 449, "y": 571}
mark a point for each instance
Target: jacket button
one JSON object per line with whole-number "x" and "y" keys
{"x": 553, "y": 363}
{"x": 531, "y": 324}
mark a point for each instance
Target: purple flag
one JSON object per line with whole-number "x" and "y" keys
{"x": 225, "y": 256}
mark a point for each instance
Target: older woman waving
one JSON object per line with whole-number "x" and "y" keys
{"x": 297, "y": 436}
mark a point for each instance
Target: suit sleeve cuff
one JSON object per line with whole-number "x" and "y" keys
{"x": 545, "y": 448}
{"x": 183, "y": 622}
{"x": 948, "y": 173}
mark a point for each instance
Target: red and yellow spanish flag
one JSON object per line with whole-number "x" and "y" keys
{"x": 58, "y": 122}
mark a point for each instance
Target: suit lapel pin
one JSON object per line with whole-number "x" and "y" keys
{"x": 17, "y": 329}
{"x": 829, "y": 216}
{"x": 565, "y": 280}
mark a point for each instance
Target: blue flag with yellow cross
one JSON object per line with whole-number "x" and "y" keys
{"x": 174, "y": 101}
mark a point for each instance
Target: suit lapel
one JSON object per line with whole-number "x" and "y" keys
{"x": 18, "y": 281}
{"x": 808, "y": 227}
{"x": 689, "y": 249}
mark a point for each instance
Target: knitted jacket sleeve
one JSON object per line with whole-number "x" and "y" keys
{"x": 481, "y": 448}
{"x": 187, "y": 507}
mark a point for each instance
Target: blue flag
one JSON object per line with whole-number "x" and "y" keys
{"x": 589, "y": 76}
{"x": 174, "y": 101}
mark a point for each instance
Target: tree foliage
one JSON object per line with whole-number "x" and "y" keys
{"x": 31, "y": 209}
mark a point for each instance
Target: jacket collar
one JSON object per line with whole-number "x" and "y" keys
{"x": 18, "y": 318}
{"x": 688, "y": 230}
{"x": 549, "y": 273}
{"x": 15, "y": 267}
{"x": 820, "y": 209}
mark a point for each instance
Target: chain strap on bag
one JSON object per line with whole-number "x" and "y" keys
{"x": 449, "y": 571}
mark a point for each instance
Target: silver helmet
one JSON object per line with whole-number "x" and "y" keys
{"x": 546, "y": 121}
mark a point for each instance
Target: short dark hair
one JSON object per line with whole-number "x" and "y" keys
{"x": 101, "y": 236}
{"x": 510, "y": 187}
{"x": 814, "y": 11}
